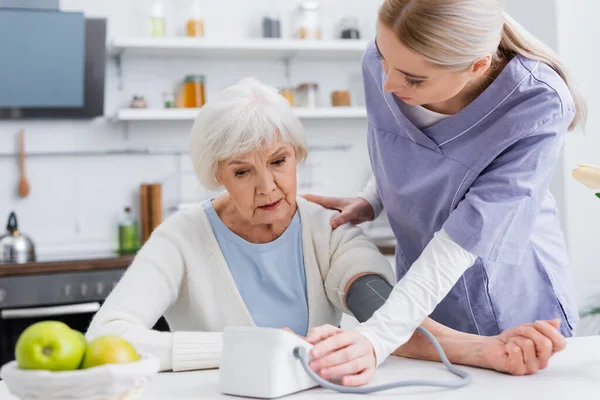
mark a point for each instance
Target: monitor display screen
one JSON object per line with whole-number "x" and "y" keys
{"x": 42, "y": 62}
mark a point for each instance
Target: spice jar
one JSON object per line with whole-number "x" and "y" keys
{"x": 349, "y": 28}
{"x": 193, "y": 91}
{"x": 288, "y": 94}
{"x": 195, "y": 24}
{"x": 340, "y": 98}
{"x": 307, "y": 95}
{"x": 271, "y": 25}
{"x": 157, "y": 25}
{"x": 308, "y": 21}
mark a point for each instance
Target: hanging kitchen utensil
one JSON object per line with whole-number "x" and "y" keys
{"x": 14, "y": 246}
{"x": 23, "y": 183}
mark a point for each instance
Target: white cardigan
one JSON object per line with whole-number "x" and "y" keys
{"x": 181, "y": 273}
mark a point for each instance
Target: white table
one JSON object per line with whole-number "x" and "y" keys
{"x": 572, "y": 374}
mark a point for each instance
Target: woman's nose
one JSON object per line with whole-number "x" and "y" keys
{"x": 266, "y": 183}
{"x": 391, "y": 84}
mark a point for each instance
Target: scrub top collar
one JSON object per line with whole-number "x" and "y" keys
{"x": 451, "y": 128}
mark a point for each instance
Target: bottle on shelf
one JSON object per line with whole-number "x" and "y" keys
{"x": 195, "y": 24}
{"x": 129, "y": 239}
{"x": 308, "y": 20}
{"x": 271, "y": 25}
{"x": 157, "y": 25}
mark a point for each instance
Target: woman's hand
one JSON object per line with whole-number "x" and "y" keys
{"x": 341, "y": 354}
{"x": 352, "y": 209}
{"x": 524, "y": 349}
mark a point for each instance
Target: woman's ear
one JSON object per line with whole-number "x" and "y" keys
{"x": 482, "y": 65}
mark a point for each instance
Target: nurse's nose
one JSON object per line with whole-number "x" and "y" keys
{"x": 391, "y": 84}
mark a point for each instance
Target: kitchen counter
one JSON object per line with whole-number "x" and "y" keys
{"x": 572, "y": 374}
{"x": 67, "y": 264}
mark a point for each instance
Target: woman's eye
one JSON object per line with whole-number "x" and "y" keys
{"x": 413, "y": 83}
{"x": 279, "y": 162}
{"x": 241, "y": 172}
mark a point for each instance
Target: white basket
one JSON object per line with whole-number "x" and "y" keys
{"x": 106, "y": 382}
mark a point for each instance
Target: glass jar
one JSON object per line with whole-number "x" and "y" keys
{"x": 349, "y": 28}
{"x": 308, "y": 20}
{"x": 193, "y": 91}
{"x": 288, "y": 94}
{"x": 307, "y": 95}
{"x": 195, "y": 24}
{"x": 340, "y": 98}
{"x": 157, "y": 25}
{"x": 271, "y": 25}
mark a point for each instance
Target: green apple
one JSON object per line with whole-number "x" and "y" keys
{"x": 82, "y": 338}
{"x": 84, "y": 342}
{"x": 49, "y": 345}
{"x": 109, "y": 350}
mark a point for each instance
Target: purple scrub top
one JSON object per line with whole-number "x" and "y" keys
{"x": 483, "y": 176}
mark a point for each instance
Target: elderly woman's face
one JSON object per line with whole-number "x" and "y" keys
{"x": 262, "y": 184}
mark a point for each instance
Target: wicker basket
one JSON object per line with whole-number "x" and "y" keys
{"x": 106, "y": 382}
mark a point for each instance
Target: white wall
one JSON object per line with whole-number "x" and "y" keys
{"x": 578, "y": 32}
{"x": 75, "y": 202}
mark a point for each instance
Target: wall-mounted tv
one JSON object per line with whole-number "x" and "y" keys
{"x": 54, "y": 65}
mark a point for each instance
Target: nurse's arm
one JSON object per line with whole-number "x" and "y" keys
{"x": 521, "y": 350}
{"x": 460, "y": 348}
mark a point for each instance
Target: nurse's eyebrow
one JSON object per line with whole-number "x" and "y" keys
{"x": 399, "y": 70}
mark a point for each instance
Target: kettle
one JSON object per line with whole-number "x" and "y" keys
{"x": 14, "y": 246}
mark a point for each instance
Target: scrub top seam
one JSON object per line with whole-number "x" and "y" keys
{"x": 545, "y": 83}
{"x": 396, "y": 117}
{"x": 493, "y": 109}
{"x": 470, "y": 306}
{"x": 425, "y": 147}
{"x": 458, "y": 190}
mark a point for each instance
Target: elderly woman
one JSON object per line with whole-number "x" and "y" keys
{"x": 257, "y": 255}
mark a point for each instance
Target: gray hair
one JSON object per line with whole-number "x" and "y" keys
{"x": 243, "y": 118}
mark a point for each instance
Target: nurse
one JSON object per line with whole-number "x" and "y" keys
{"x": 467, "y": 119}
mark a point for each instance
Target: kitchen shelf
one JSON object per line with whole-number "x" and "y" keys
{"x": 239, "y": 48}
{"x": 189, "y": 114}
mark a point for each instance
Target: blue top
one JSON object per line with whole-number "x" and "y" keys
{"x": 270, "y": 277}
{"x": 483, "y": 176}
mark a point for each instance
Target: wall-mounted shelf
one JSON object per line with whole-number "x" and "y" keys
{"x": 189, "y": 114}
{"x": 283, "y": 49}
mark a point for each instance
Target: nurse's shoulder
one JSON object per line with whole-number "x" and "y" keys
{"x": 546, "y": 88}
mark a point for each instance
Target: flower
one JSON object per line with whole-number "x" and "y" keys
{"x": 589, "y": 175}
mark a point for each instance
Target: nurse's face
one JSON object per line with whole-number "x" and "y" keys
{"x": 416, "y": 81}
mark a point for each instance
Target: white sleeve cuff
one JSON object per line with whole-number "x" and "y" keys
{"x": 371, "y": 195}
{"x": 416, "y": 295}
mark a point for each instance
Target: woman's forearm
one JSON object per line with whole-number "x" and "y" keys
{"x": 178, "y": 351}
{"x": 460, "y": 348}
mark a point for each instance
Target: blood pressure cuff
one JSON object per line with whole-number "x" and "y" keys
{"x": 366, "y": 295}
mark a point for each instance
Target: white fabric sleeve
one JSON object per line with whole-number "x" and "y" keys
{"x": 371, "y": 195}
{"x": 416, "y": 295}
{"x": 149, "y": 287}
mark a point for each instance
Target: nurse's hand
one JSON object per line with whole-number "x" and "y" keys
{"x": 342, "y": 354}
{"x": 524, "y": 349}
{"x": 352, "y": 209}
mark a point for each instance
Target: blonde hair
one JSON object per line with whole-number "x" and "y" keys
{"x": 243, "y": 118}
{"x": 456, "y": 33}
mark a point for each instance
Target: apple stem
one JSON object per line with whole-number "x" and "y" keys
{"x": 47, "y": 351}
